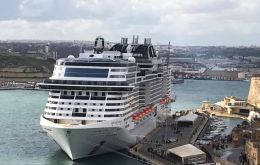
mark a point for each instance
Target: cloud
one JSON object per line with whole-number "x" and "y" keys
{"x": 35, "y": 8}
{"x": 184, "y": 22}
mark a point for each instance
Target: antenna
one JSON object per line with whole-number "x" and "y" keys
{"x": 99, "y": 45}
{"x": 169, "y": 52}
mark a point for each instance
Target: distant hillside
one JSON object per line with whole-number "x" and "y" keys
{"x": 36, "y": 65}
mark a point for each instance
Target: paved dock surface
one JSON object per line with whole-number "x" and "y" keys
{"x": 154, "y": 146}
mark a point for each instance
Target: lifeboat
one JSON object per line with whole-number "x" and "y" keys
{"x": 165, "y": 100}
{"x": 146, "y": 111}
{"x": 140, "y": 115}
{"x": 143, "y": 113}
{"x": 162, "y": 101}
{"x": 135, "y": 118}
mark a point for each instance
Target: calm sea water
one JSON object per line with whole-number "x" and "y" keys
{"x": 191, "y": 93}
{"x": 21, "y": 141}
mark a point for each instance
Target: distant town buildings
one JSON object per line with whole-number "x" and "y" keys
{"x": 198, "y": 62}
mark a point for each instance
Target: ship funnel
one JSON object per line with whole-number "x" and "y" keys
{"x": 124, "y": 41}
{"x": 99, "y": 45}
{"x": 147, "y": 41}
{"x": 135, "y": 40}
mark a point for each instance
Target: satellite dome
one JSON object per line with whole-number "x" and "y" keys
{"x": 131, "y": 59}
{"x": 71, "y": 56}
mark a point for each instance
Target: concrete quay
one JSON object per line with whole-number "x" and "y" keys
{"x": 152, "y": 149}
{"x": 223, "y": 114}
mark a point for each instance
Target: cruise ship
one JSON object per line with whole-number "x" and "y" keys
{"x": 106, "y": 99}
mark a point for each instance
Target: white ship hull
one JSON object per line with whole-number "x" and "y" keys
{"x": 81, "y": 142}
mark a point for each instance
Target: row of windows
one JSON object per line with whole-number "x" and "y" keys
{"x": 132, "y": 69}
{"x": 117, "y": 98}
{"x": 118, "y": 70}
{"x": 101, "y": 88}
{"x": 131, "y": 75}
{"x": 111, "y": 64}
{"x": 156, "y": 99}
{"x": 80, "y": 114}
{"x": 77, "y": 103}
{"x": 111, "y": 115}
{"x": 73, "y": 114}
{"x": 82, "y": 97}
{"x": 116, "y": 104}
{"x": 131, "y": 81}
{"x": 83, "y": 93}
{"x": 85, "y": 109}
{"x": 74, "y": 82}
{"x": 132, "y": 110}
{"x": 53, "y": 114}
{"x": 117, "y": 76}
{"x": 86, "y": 72}
{"x": 155, "y": 89}
{"x": 114, "y": 93}
{"x": 150, "y": 77}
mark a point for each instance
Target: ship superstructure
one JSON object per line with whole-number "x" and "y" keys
{"x": 104, "y": 101}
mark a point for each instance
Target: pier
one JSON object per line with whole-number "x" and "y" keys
{"x": 223, "y": 114}
{"x": 153, "y": 148}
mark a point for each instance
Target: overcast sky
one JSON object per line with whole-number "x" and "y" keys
{"x": 183, "y": 22}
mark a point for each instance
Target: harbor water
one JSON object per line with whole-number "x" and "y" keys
{"x": 191, "y": 93}
{"x": 23, "y": 143}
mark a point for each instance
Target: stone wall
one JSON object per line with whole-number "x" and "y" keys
{"x": 254, "y": 92}
{"x": 23, "y": 75}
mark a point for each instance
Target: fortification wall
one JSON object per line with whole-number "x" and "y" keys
{"x": 23, "y": 75}
{"x": 254, "y": 91}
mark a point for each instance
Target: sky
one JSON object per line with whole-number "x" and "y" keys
{"x": 183, "y": 22}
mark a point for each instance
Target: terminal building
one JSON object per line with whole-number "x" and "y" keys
{"x": 187, "y": 120}
{"x": 188, "y": 154}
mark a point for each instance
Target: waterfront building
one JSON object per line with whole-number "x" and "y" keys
{"x": 206, "y": 105}
{"x": 188, "y": 154}
{"x": 234, "y": 105}
{"x": 243, "y": 75}
{"x": 222, "y": 74}
{"x": 187, "y": 120}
